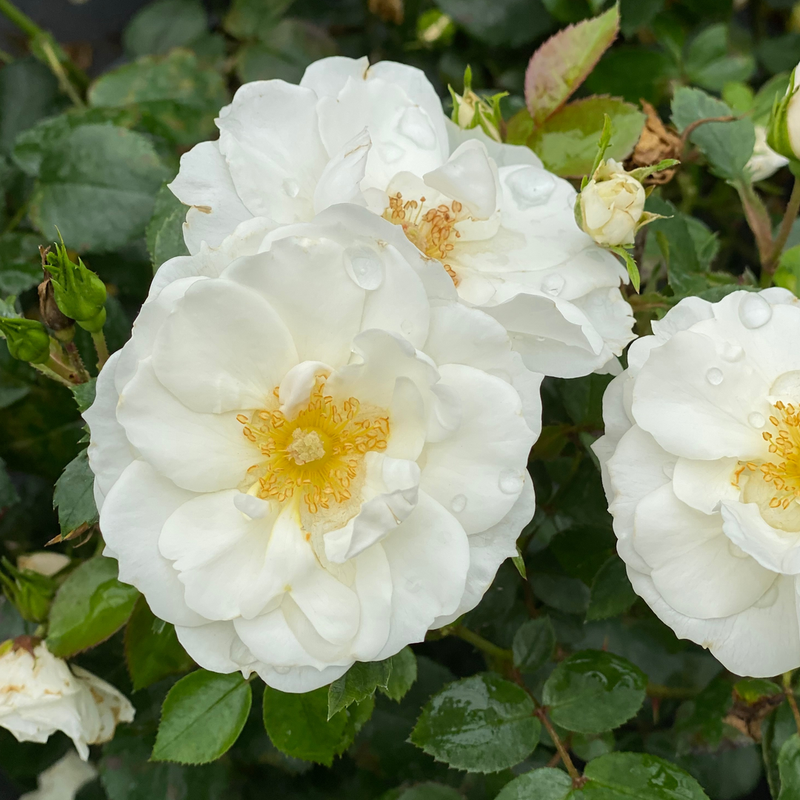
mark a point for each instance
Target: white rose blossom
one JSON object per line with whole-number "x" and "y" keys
{"x": 612, "y": 205}
{"x": 63, "y": 780}
{"x": 701, "y": 466}
{"x": 488, "y": 213}
{"x": 312, "y": 454}
{"x": 40, "y": 694}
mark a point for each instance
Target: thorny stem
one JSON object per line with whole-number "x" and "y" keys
{"x": 77, "y": 362}
{"x": 784, "y": 230}
{"x": 61, "y": 65}
{"x": 477, "y": 641}
{"x": 759, "y": 222}
{"x": 787, "y": 685}
{"x": 102, "y": 348}
{"x": 55, "y": 371}
{"x": 577, "y": 779}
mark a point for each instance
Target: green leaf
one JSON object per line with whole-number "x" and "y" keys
{"x": 593, "y": 691}
{"x": 28, "y": 93}
{"x": 506, "y": 23}
{"x": 787, "y": 275}
{"x": 299, "y": 727}
{"x": 562, "y": 63}
{"x": 612, "y": 593}
{"x": 74, "y": 495}
{"x": 777, "y": 729}
{"x": 534, "y": 644}
{"x": 165, "y": 24}
{"x": 588, "y": 746}
{"x": 249, "y": 19}
{"x": 152, "y": 650}
{"x": 708, "y": 62}
{"x": 357, "y": 684}
{"x": 404, "y": 673}
{"x": 176, "y": 97}
{"x": 20, "y": 263}
{"x": 567, "y": 142}
{"x": 164, "y": 232}
{"x": 726, "y": 145}
{"x": 84, "y": 394}
{"x": 753, "y": 690}
{"x": 570, "y": 595}
{"x": 479, "y": 724}
{"x": 284, "y": 52}
{"x": 429, "y": 791}
{"x": 540, "y": 784}
{"x": 90, "y": 606}
{"x": 623, "y": 776}
{"x": 635, "y": 14}
{"x": 202, "y": 717}
{"x": 97, "y": 186}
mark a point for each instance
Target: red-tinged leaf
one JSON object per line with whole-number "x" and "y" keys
{"x": 563, "y": 62}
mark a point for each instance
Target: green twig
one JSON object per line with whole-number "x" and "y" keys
{"x": 669, "y": 692}
{"x": 787, "y": 685}
{"x": 782, "y": 236}
{"x": 477, "y": 641}
{"x": 55, "y": 371}
{"x": 578, "y": 781}
{"x": 101, "y": 347}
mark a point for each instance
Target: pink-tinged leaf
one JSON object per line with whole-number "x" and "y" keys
{"x": 563, "y": 62}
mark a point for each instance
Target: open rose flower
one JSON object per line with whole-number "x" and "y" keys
{"x": 40, "y": 694}
{"x": 312, "y": 454}
{"x": 701, "y": 464}
{"x": 489, "y": 214}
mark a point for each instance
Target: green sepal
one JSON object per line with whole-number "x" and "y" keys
{"x": 519, "y": 563}
{"x": 485, "y": 112}
{"x": 79, "y": 292}
{"x": 778, "y": 128}
{"x": 602, "y": 146}
{"x": 630, "y": 264}
{"x": 640, "y": 173}
{"x": 27, "y": 339}
{"x": 29, "y": 592}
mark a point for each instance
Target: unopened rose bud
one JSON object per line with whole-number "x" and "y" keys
{"x": 27, "y": 339}
{"x": 783, "y": 134}
{"x": 28, "y": 591}
{"x": 610, "y": 207}
{"x": 51, "y": 314}
{"x": 79, "y": 292}
{"x": 764, "y": 161}
{"x": 473, "y": 111}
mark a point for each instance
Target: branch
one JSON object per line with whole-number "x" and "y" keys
{"x": 693, "y": 126}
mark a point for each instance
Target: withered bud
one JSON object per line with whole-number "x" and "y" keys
{"x": 657, "y": 142}
{"x": 51, "y": 314}
{"x": 388, "y": 10}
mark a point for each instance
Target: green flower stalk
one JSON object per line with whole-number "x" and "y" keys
{"x": 27, "y": 339}
{"x": 79, "y": 292}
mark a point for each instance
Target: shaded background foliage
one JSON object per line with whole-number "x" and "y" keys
{"x": 160, "y": 71}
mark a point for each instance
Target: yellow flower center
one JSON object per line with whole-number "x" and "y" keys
{"x": 775, "y": 484}
{"x": 429, "y": 230}
{"x": 318, "y": 453}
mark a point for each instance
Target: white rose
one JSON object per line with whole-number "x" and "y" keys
{"x": 701, "y": 465}
{"x": 63, "y": 780}
{"x": 40, "y": 694}
{"x": 612, "y": 204}
{"x": 764, "y": 161}
{"x": 311, "y": 455}
{"x": 783, "y": 134}
{"x": 47, "y": 563}
{"x": 489, "y": 214}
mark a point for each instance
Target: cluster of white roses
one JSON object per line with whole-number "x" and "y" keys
{"x": 313, "y": 449}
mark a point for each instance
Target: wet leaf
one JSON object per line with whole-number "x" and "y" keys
{"x": 612, "y": 593}
{"x": 479, "y": 724}
{"x": 74, "y": 495}
{"x": 534, "y": 644}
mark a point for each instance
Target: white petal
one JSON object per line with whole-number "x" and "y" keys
{"x": 775, "y": 550}
{"x": 342, "y": 176}
{"x": 214, "y": 645}
{"x": 703, "y": 484}
{"x": 478, "y": 472}
{"x": 132, "y": 518}
{"x": 199, "y": 452}
{"x": 469, "y": 177}
{"x": 429, "y": 559}
{"x": 204, "y": 183}
{"x": 692, "y": 565}
{"x": 223, "y": 348}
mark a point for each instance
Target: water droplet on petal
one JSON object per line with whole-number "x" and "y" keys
{"x": 510, "y": 481}
{"x": 756, "y": 420}
{"x": 281, "y": 670}
{"x": 669, "y": 469}
{"x": 458, "y": 503}
{"x": 736, "y": 551}
{"x": 714, "y": 376}
{"x": 769, "y": 598}
{"x": 754, "y": 311}
{"x": 552, "y": 285}
{"x": 732, "y": 351}
{"x": 292, "y": 188}
{"x": 407, "y": 327}
{"x": 416, "y": 126}
{"x": 390, "y": 152}
{"x": 530, "y": 187}
{"x": 364, "y": 267}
